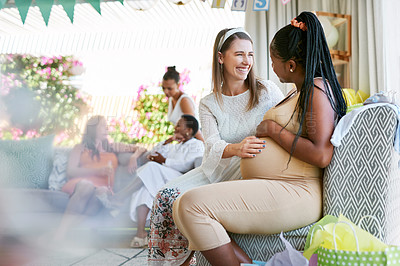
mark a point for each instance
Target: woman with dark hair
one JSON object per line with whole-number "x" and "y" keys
{"x": 179, "y": 103}
{"x": 166, "y": 162}
{"x": 90, "y": 171}
{"x": 229, "y": 116}
{"x": 282, "y": 186}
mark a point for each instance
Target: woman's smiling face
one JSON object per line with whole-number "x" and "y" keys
{"x": 237, "y": 60}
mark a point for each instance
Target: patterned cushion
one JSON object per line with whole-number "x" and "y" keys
{"x": 26, "y": 163}
{"x": 58, "y": 176}
{"x": 357, "y": 182}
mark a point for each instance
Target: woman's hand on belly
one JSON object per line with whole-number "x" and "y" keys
{"x": 247, "y": 148}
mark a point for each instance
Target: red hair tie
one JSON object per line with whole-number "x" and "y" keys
{"x": 300, "y": 25}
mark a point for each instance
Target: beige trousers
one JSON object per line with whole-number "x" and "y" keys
{"x": 256, "y": 206}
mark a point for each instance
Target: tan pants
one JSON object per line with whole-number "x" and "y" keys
{"x": 257, "y": 206}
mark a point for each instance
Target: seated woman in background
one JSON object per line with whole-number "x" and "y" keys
{"x": 166, "y": 162}
{"x": 90, "y": 171}
{"x": 282, "y": 186}
{"x": 179, "y": 103}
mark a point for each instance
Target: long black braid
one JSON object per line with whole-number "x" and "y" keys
{"x": 309, "y": 49}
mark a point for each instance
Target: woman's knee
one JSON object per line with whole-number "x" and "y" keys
{"x": 188, "y": 205}
{"x": 84, "y": 189}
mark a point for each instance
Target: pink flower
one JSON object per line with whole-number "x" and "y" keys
{"x": 44, "y": 60}
{"x": 148, "y": 115}
{"x": 112, "y": 122}
{"x": 123, "y": 129}
{"x": 60, "y": 137}
{"x": 16, "y": 133}
{"x": 31, "y": 133}
{"x": 150, "y": 134}
{"x": 141, "y": 89}
{"x": 77, "y": 63}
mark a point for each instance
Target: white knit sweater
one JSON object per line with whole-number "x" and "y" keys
{"x": 228, "y": 123}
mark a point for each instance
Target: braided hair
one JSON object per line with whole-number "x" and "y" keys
{"x": 307, "y": 46}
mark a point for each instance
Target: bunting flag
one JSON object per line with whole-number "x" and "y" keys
{"x": 69, "y": 6}
{"x": 23, "y": 8}
{"x": 2, "y": 2}
{"x": 45, "y": 8}
{"x": 95, "y": 4}
{"x": 218, "y": 4}
{"x": 239, "y": 5}
{"x": 261, "y": 5}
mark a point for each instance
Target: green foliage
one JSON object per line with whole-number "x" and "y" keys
{"x": 38, "y": 96}
{"x": 152, "y": 113}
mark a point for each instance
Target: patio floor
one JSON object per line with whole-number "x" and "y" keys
{"x": 109, "y": 257}
{"x": 80, "y": 247}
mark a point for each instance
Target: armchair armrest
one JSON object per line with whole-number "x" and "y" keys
{"x": 363, "y": 177}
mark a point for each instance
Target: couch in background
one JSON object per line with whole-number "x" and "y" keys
{"x": 32, "y": 173}
{"x": 363, "y": 178}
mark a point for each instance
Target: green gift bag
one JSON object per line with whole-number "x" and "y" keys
{"x": 328, "y": 257}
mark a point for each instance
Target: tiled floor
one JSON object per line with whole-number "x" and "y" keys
{"x": 80, "y": 248}
{"x": 106, "y": 257}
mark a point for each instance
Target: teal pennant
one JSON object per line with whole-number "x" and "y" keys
{"x": 23, "y": 8}
{"x": 69, "y": 7}
{"x": 2, "y": 2}
{"x": 45, "y": 8}
{"x": 95, "y": 4}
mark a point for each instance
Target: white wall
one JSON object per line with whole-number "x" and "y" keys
{"x": 391, "y": 43}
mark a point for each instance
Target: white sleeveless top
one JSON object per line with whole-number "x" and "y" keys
{"x": 174, "y": 114}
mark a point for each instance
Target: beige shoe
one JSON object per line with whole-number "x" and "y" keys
{"x": 138, "y": 242}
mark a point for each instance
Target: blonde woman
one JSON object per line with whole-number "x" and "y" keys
{"x": 229, "y": 117}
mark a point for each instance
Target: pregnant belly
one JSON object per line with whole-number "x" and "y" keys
{"x": 271, "y": 163}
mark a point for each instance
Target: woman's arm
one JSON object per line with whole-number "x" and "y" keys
{"x": 317, "y": 148}
{"x": 187, "y": 106}
{"x": 132, "y": 166}
{"x": 75, "y": 170}
{"x": 123, "y": 147}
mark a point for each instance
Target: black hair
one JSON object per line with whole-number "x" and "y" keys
{"x": 309, "y": 49}
{"x": 191, "y": 122}
{"x": 172, "y": 74}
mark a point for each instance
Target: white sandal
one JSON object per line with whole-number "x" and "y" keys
{"x": 138, "y": 242}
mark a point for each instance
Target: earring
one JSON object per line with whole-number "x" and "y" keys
{"x": 187, "y": 134}
{"x": 291, "y": 70}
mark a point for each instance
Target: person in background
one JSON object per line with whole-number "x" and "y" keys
{"x": 179, "y": 103}
{"x": 282, "y": 186}
{"x": 167, "y": 161}
{"x": 229, "y": 117}
{"x": 90, "y": 172}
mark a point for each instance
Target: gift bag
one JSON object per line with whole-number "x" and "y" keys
{"x": 390, "y": 256}
{"x": 343, "y": 243}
